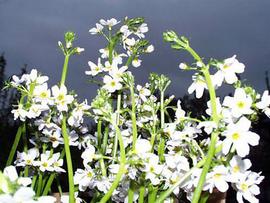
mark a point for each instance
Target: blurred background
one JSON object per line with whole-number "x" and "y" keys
{"x": 30, "y": 29}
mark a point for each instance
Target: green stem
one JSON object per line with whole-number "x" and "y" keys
{"x": 131, "y": 192}
{"x": 121, "y": 170}
{"x": 99, "y": 137}
{"x": 66, "y": 138}
{"x": 69, "y": 161}
{"x": 133, "y": 117}
{"x": 51, "y": 178}
{"x": 105, "y": 140}
{"x": 152, "y": 195}
{"x": 161, "y": 146}
{"x": 15, "y": 145}
{"x": 215, "y": 118}
{"x": 65, "y": 69}
{"x": 115, "y": 142}
{"x": 34, "y": 181}
{"x": 141, "y": 195}
{"x": 48, "y": 185}
{"x": 39, "y": 188}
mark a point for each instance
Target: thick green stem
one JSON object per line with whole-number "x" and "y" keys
{"x": 121, "y": 170}
{"x": 15, "y": 145}
{"x": 152, "y": 195}
{"x": 141, "y": 195}
{"x": 133, "y": 117}
{"x": 69, "y": 161}
{"x": 131, "y": 192}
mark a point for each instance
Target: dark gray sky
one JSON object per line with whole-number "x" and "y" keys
{"x": 30, "y": 29}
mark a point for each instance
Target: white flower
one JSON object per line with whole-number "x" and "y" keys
{"x": 179, "y": 113}
{"x": 136, "y": 62}
{"x": 238, "y": 166}
{"x": 27, "y": 159}
{"x": 20, "y": 112}
{"x": 104, "y": 53}
{"x": 88, "y": 155}
{"x": 54, "y": 136}
{"x": 183, "y": 66}
{"x": 240, "y": 103}
{"x": 142, "y": 146}
{"x": 94, "y": 69}
{"x": 84, "y": 178}
{"x": 176, "y": 161}
{"x": 240, "y": 137}
{"x": 126, "y": 32}
{"x": 208, "y": 126}
{"x": 153, "y": 169}
{"x": 34, "y": 77}
{"x": 45, "y": 163}
{"x": 229, "y": 68}
{"x": 143, "y": 92}
{"x": 16, "y": 81}
{"x": 79, "y": 50}
{"x": 111, "y": 84}
{"x": 96, "y": 30}
{"x": 141, "y": 30}
{"x": 110, "y": 23}
{"x": 23, "y": 195}
{"x": 150, "y": 49}
{"x": 57, "y": 163}
{"x": 36, "y": 109}
{"x": 198, "y": 86}
{"x": 103, "y": 185}
{"x": 217, "y": 178}
{"x": 117, "y": 73}
{"x": 11, "y": 173}
{"x": 247, "y": 187}
{"x": 110, "y": 66}
{"x": 61, "y": 98}
{"x": 42, "y": 94}
{"x": 264, "y": 104}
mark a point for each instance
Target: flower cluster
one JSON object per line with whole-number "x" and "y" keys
{"x": 144, "y": 146}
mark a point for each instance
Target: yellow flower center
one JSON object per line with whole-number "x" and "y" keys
{"x": 244, "y": 187}
{"x": 43, "y": 95}
{"x": 113, "y": 84}
{"x": 89, "y": 174}
{"x": 60, "y": 97}
{"x": 45, "y": 164}
{"x": 241, "y": 104}
{"x": 236, "y": 169}
{"x": 235, "y": 136}
{"x": 225, "y": 67}
{"x": 217, "y": 176}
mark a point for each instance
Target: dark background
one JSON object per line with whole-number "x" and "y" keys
{"x": 30, "y": 29}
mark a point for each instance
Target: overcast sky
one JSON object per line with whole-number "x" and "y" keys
{"x": 30, "y": 29}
